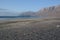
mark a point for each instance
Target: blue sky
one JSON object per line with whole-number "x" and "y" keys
{"x": 27, "y": 5}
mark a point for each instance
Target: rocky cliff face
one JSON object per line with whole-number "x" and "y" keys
{"x": 53, "y": 11}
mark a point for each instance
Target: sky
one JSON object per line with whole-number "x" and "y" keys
{"x": 27, "y": 5}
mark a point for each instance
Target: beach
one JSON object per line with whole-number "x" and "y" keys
{"x": 30, "y": 29}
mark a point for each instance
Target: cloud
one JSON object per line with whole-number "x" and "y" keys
{"x": 6, "y": 12}
{"x": 3, "y": 9}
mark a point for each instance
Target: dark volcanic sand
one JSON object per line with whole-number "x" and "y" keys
{"x": 35, "y": 31}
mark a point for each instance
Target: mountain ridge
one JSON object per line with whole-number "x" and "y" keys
{"x": 53, "y": 11}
